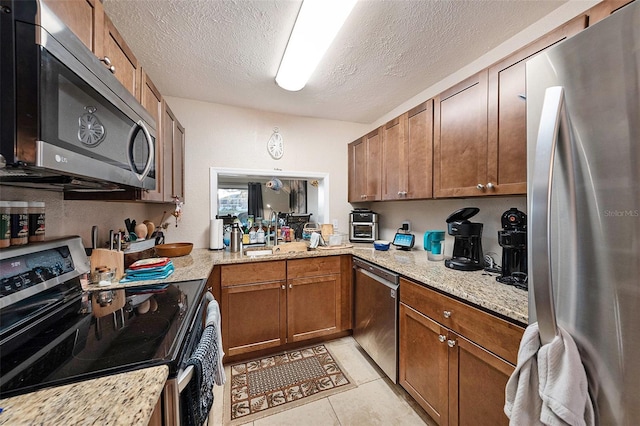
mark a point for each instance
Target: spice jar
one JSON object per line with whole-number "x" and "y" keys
{"x": 19, "y": 223}
{"x": 36, "y": 221}
{"x": 5, "y": 224}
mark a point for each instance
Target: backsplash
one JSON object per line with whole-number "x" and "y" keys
{"x": 64, "y": 217}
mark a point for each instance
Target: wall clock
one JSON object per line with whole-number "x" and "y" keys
{"x": 275, "y": 146}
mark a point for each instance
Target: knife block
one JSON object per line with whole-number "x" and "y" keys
{"x": 112, "y": 259}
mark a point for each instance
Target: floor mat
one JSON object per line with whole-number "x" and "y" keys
{"x": 279, "y": 382}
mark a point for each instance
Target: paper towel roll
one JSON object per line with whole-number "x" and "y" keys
{"x": 216, "y": 232}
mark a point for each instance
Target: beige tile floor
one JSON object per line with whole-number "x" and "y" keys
{"x": 376, "y": 400}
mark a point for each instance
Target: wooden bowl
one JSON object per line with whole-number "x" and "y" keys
{"x": 173, "y": 249}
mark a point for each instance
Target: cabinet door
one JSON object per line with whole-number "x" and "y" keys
{"x": 173, "y": 158}
{"x": 507, "y": 141}
{"x": 394, "y": 159}
{"x": 151, "y": 100}
{"x": 313, "y": 307}
{"x": 604, "y": 9}
{"x": 127, "y": 70}
{"x": 420, "y": 152}
{"x": 477, "y": 385}
{"x": 423, "y": 359}
{"x": 365, "y": 162}
{"x": 460, "y": 139}
{"x": 253, "y": 317}
{"x": 85, "y": 18}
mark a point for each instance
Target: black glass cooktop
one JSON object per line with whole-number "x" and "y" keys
{"x": 149, "y": 330}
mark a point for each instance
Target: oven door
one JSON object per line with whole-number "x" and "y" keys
{"x": 173, "y": 406}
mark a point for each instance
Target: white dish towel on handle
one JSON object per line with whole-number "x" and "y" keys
{"x": 549, "y": 385}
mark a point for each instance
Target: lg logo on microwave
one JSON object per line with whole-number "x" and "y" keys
{"x": 61, "y": 159}
{"x": 621, "y": 213}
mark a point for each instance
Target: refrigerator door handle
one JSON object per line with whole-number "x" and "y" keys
{"x": 554, "y": 124}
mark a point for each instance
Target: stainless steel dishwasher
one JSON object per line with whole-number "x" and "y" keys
{"x": 376, "y": 315}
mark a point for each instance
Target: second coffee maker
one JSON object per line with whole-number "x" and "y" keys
{"x": 467, "y": 246}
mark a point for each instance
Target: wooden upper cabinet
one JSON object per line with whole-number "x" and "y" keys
{"x": 394, "y": 158}
{"x": 85, "y": 18}
{"x": 604, "y": 9}
{"x": 420, "y": 151}
{"x": 460, "y": 139}
{"x": 151, "y": 100}
{"x": 365, "y": 162}
{"x": 119, "y": 55}
{"x": 507, "y": 125}
{"x": 407, "y": 155}
{"x": 173, "y": 139}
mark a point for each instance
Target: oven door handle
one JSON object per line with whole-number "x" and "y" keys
{"x": 185, "y": 376}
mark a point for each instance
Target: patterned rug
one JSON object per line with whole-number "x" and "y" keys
{"x": 263, "y": 387}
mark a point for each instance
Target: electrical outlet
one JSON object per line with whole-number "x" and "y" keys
{"x": 335, "y": 224}
{"x": 406, "y": 226}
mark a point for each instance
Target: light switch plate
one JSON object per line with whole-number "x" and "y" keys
{"x": 408, "y": 225}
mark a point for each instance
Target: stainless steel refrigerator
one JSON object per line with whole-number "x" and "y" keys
{"x": 583, "y": 132}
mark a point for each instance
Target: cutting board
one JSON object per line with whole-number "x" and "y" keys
{"x": 341, "y": 246}
{"x": 290, "y": 247}
{"x": 109, "y": 258}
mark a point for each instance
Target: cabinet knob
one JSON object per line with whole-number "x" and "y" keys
{"x": 399, "y": 193}
{"x": 490, "y": 185}
{"x": 447, "y": 314}
{"x": 442, "y": 338}
{"x": 106, "y": 61}
{"x": 290, "y": 286}
{"x": 480, "y": 186}
{"x": 283, "y": 287}
{"x": 451, "y": 343}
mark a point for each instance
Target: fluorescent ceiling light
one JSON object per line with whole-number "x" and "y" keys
{"x": 317, "y": 24}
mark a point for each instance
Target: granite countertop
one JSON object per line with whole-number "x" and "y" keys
{"x": 121, "y": 399}
{"x": 477, "y": 287}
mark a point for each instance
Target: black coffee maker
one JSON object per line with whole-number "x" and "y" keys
{"x": 467, "y": 246}
{"x": 513, "y": 240}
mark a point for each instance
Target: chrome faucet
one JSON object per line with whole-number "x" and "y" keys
{"x": 275, "y": 235}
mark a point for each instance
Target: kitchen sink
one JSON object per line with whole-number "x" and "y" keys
{"x": 258, "y": 251}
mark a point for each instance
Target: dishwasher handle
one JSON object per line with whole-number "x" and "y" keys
{"x": 391, "y": 285}
{"x": 376, "y": 272}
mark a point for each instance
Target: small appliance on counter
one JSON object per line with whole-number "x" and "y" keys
{"x": 467, "y": 246}
{"x": 434, "y": 244}
{"x": 513, "y": 240}
{"x": 363, "y": 226}
{"x": 404, "y": 240}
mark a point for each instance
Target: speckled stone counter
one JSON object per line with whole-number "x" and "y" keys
{"x": 475, "y": 287}
{"x": 121, "y": 399}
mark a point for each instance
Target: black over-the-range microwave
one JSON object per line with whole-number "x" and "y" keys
{"x": 67, "y": 122}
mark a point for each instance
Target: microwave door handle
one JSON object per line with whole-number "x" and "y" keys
{"x": 554, "y": 130}
{"x": 147, "y": 167}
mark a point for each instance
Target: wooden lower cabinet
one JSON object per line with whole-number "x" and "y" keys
{"x": 254, "y": 317}
{"x": 456, "y": 380}
{"x": 269, "y": 304}
{"x": 313, "y": 307}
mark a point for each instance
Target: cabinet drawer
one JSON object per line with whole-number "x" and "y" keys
{"x": 253, "y": 272}
{"x": 301, "y": 268}
{"x": 494, "y": 334}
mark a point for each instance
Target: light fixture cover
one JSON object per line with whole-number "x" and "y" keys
{"x": 316, "y": 26}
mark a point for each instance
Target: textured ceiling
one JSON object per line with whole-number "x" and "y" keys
{"x": 228, "y": 51}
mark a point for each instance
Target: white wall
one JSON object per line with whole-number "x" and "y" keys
{"x": 223, "y": 136}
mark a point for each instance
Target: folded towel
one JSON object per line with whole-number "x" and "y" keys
{"x": 549, "y": 384}
{"x": 144, "y": 275}
{"x": 213, "y": 319}
{"x": 198, "y": 395}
